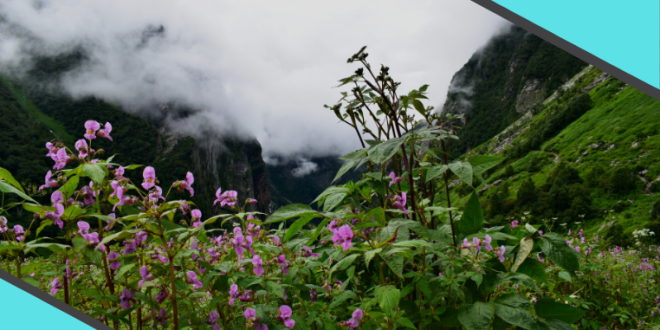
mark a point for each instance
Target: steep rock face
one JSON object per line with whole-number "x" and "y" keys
{"x": 504, "y": 80}
{"x": 532, "y": 93}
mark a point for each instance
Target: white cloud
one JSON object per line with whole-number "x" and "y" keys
{"x": 262, "y": 68}
{"x": 305, "y": 167}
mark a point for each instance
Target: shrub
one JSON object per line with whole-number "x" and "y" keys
{"x": 622, "y": 181}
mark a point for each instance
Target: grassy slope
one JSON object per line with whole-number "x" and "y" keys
{"x": 615, "y": 119}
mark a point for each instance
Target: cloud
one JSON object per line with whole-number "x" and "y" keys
{"x": 305, "y": 167}
{"x": 262, "y": 69}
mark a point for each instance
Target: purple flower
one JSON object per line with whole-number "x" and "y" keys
{"x": 144, "y": 273}
{"x": 129, "y": 248}
{"x": 514, "y": 224}
{"x": 55, "y": 286}
{"x": 126, "y": 299}
{"x": 395, "y": 179}
{"x": 162, "y": 318}
{"x": 91, "y": 126}
{"x": 3, "y": 224}
{"x": 400, "y": 203}
{"x": 19, "y": 232}
{"x": 161, "y": 297}
{"x": 313, "y": 295}
{"x": 285, "y": 316}
{"x": 149, "y": 175}
{"x": 115, "y": 264}
{"x": 258, "y": 265}
{"x": 192, "y": 279}
{"x": 156, "y": 194}
{"x": 233, "y": 293}
{"x": 105, "y": 132}
{"x": 538, "y": 256}
{"x": 50, "y": 183}
{"x": 213, "y": 317}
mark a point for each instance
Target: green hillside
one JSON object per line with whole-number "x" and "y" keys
{"x": 591, "y": 153}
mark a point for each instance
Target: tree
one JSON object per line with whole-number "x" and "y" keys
{"x": 495, "y": 206}
{"x": 534, "y": 165}
{"x": 508, "y": 171}
{"x": 527, "y": 193}
{"x": 559, "y": 197}
{"x": 622, "y": 181}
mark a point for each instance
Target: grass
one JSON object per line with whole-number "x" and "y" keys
{"x": 622, "y": 119}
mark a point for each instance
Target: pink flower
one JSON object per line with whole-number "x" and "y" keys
{"x": 285, "y": 265}
{"x": 258, "y": 265}
{"x": 50, "y": 183}
{"x": 309, "y": 252}
{"x": 400, "y": 203}
{"x": 3, "y": 224}
{"x": 285, "y": 316}
{"x": 52, "y": 151}
{"x": 354, "y": 322}
{"x": 88, "y": 195}
{"x": 196, "y": 216}
{"x": 91, "y": 126}
{"x": 538, "y": 256}
{"x": 514, "y": 224}
{"x": 345, "y": 237}
{"x": 186, "y": 184}
{"x": 105, "y": 132}
{"x": 213, "y": 317}
{"x": 61, "y": 159}
{"x": 149, "y": 175}
{"x": 119, "y": 172}
{"x": 228, "y": 198}
{"x": 192, "y": 279}
{"x": 156, "y": 194}
{"x": 500, "y": 253}
{"x": 395, "y": 179}
{"x": 83, "y": 150}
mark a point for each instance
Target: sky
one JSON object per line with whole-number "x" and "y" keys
{"x": 259, "y": 69}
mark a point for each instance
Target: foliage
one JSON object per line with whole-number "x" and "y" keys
{"x": 387, "y": 254}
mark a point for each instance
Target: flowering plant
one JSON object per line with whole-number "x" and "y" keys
{"x": 386, "y": 254}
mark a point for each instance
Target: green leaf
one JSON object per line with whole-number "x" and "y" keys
{"x": 556, "y": 249}
{"x": 318, "y": 231}
{"x": 414, "y": 243}
{"x": 43, "y": 225}
{"x": 534, "y": 269}
{"x": 275, "y": 288}
{"x": 463, "y": 170}
{"x": 333, "y": 201}
{"x": 388, "y": 298}
{"x": 404, "y": 321}
{"x": 477, "y": 316}
{"x": 516, "y": 316}
{"x": 473, "y": 216}
{"x": 70, "y": 186}
{"x": 7, "y": 188}
{"x": 513, "y": 300}
{"x": 288, "y": 212}
{"x": 565, "y": 276}
{"x": 339, "y": 299}
{"x": 344, "y": 263}
{"x": 526, "y": 245}
{"x": 297, "y": 225}
{"x": 31, "y": 281}
{"x": 559, "y": 324}
{"x": 345, "y": 168}
{"x": 6, "y": 175}
{"x": 550, "y": 309}
{"x": 94, "y": 172}
{"x": 435, "y": 171}
{"x": 419, "y": 107}
{"x": 395, "y": 262}
{"x": 370, "y": 255}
